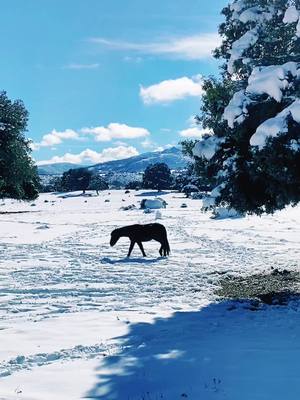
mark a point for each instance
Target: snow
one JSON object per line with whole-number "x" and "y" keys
{"x": 210, "y": 200}
{"x": 236, "y": 111}
{"x": 291, "y": 16}
{"x": 207, "y": 147}
{"x": 237, "y": 6}
{"x": 255, "y": 14}
{"x": 240, "y": 46}
{"x": 79, "y": 320}
{"x": 273, "y": 80}
{"x": 242, "y": 13}
{"x": 294, "y": 145}
{"x": 277, "y": 125}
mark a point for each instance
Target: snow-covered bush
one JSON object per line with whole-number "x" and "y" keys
{"x": 224, "y": 213}
{"x": 253, "y": 111}
{"x": 189, "y": 189}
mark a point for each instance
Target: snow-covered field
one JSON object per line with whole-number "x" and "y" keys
{"x": 79, "y": 320}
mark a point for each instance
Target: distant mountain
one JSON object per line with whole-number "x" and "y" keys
{"x": 56, "y": 169}
{"x": 172, "y": 157}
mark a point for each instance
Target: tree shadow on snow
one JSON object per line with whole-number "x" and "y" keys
{"x": 154, "y": 193}
{"x": 227, "y": 350}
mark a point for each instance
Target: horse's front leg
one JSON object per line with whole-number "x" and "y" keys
{"x": 132, "y": 243}
{"x": 142, "y": 248}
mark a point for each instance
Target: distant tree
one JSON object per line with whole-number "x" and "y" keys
{"x": 76, "y": 179}
{"x": 53, "y": 185}
{"x": 157, "y": 176}
{"x": 97, "y": 183}
{"x": 133, "y": 185}
{"x": 18, "y": 174}
{"x": 180, "y": 180}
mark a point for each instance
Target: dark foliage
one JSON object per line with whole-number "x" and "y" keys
{"x": 18, "y": 174}
{"x": 157, "y": 176}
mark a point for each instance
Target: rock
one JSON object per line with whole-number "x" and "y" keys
{"x": 153, "y": 203}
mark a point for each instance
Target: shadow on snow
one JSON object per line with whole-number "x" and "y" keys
{"x": 227, "y": 350}
{"x": 130, "y": 260}
{"x": 154, "y": 193}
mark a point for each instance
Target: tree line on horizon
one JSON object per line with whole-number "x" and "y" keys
{"x": 156, "y": 176}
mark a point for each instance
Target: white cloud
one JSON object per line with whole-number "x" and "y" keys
{"x": 136, "y": 60}
{"x": 55, "y": 137}
{"x": 171, "y": 90}
{"x": 192, "y": 121}
{"x": 89, "y": 156}
{"x": 194, "y": 132}
{"x": 81, "y": 66}
{"x": 148, "y": 144}
{"x": 193, "y": 47}
{"x": 116, "y": 131}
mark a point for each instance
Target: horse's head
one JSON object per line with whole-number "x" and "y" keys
{"x": 114, "y": 237}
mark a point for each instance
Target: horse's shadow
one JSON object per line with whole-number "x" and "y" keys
{"x": 128, "y": 260}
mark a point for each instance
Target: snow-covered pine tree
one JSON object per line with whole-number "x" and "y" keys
{"x": 255, "y": 146}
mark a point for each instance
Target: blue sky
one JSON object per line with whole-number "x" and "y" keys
{"x": 106, "y": 79}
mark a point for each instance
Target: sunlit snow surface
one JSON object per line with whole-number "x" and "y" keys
{"x": 79, "y": 320}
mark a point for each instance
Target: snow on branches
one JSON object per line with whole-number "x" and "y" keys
{"x": 207, "y": 147}
{"x": 292, "y": 15}
{"x": 273, "y": 81}
{"x": 273, "y": 127}
{"x": 242, "y": 13}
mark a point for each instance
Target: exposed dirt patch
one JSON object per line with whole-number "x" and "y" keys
{"x": 276, "y": 288}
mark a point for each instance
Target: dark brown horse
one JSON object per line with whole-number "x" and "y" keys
{"x": 142, "y": 233}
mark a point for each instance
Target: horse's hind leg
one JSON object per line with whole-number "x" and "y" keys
{"x": 161, "y": 250}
